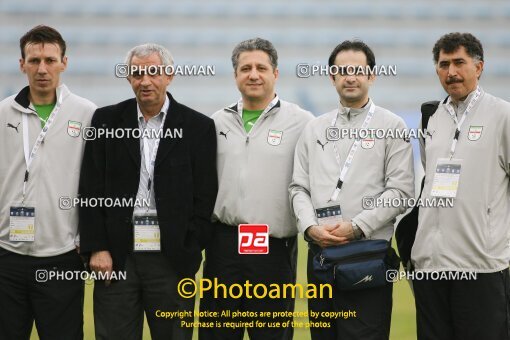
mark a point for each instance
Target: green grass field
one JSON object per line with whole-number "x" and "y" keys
{"x": 403, "y": 325}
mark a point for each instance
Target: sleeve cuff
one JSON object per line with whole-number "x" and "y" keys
{"x": 363, "y": 226}
{"x": 306, "y": 237}
{"x": 306, "y": 223}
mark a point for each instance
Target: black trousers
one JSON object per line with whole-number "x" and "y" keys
{"x": 150, "y": 286}
{"x": 366, "y": 313}
{"x": 27, "y": 294}
{"x": 464, "y": 309}
{"x": 224, "y": 263}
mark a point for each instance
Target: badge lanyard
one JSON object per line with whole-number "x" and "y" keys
{"x": 148, "y": 161}
{"x": 40, "y": 139}
{"x": 472, "y": 103}
{"x": 352, "y": 152}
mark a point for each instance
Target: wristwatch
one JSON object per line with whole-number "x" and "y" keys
{"x": 356, "y": 230}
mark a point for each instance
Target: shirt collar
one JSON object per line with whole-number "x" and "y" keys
{"x": 160, "y": 116}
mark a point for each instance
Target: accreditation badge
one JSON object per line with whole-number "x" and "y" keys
{"x": 329, "y": 215}
{"x": 146, "y": 233}
{"x": 446, "y": 178}
{"x": 22, "y": 223}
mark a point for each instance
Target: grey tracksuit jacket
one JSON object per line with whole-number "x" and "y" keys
{"x": 54, "y": 172}
{"x": 474, "y": 235}
{"x": 381, "y": 168}
{"x": 255, "y": 168}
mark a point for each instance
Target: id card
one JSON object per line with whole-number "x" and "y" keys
{"x": 146, "y": 232}
{"x": 22, "y": 224}
{"x": 446, "y": 178}
{"x": 329, "y": 215}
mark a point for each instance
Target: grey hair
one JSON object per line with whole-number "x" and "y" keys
{"x": 146, "y": 50}
{"x": 255, "y": 44}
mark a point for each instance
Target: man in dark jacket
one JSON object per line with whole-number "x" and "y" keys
{"x": 157, "y": 158}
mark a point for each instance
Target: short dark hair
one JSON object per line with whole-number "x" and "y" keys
{"x": 42, "y": 34}
{"x": 355, "y": 45}
{"x": 255, "y": 44}
{"x": 450, "y": 42}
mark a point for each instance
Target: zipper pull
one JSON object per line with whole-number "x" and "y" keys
{"x": 322, "y": 260}
{"x": 247, "y": 139}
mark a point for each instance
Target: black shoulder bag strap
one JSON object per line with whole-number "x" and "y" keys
{"x": 405, "y": 232}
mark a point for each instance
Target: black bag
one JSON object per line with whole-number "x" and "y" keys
{"x": 356, "y": 265}
{"x": 405, "y": 232}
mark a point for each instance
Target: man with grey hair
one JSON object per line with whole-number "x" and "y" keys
{"x": 167, "y": 171}
{"x": 256, "y": 137}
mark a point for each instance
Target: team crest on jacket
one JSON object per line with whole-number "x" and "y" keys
{"x": 475, "y": 132}
{"x": 73, "y": 128}
{"x": 274, "y": 137}
{"x": 368, "y": 142}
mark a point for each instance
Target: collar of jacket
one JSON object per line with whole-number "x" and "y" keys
{"x": 234, "y": 108}
{"x": 461, "y": 105}
{"x": 22, "y": 102}
{"x": 348, "y": 113}
{"x": 129, "y": 120}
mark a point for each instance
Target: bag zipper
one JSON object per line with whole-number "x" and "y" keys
{"x": 367, "y": 255}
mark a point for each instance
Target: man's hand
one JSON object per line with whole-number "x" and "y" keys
{"x": 101, "y": 262}
{"x": 324, "y": 236}
{"x": 344, "y": 230}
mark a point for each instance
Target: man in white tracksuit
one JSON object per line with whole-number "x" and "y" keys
{"x": 41, "y": 148}
{"x": 256, "y": 138}
{"x": 380, "y": 168}
{"x": 466, "y": 157}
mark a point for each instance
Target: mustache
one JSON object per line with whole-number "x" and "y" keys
{"x": 453, "y": 80}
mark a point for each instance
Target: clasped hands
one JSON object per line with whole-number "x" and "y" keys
{"x": 331, "y": 234}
